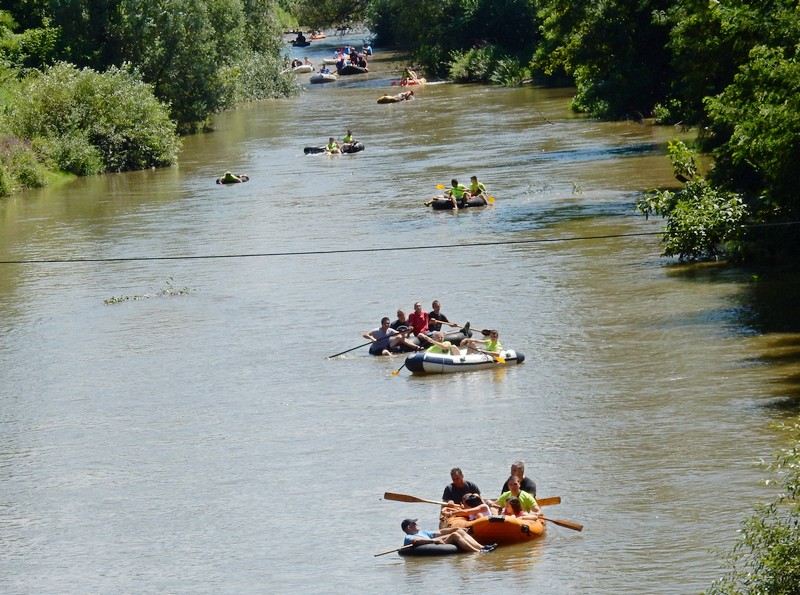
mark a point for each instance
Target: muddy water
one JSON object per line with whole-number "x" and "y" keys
{"x": 202, "y": 442}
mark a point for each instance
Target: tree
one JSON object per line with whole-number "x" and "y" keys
{"x": 89, "y": 122}
{"x": 616, "y": 51}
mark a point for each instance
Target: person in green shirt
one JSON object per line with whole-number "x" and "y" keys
{"x": 456, "y": 193}
{"x": 528, "y": 502}
{"x": 439, "y": 345}
{"x": 491, "y": 344}
{"x": 477, "y": 189}
{"x": 332, "y": 146}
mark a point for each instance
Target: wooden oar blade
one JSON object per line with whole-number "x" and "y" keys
{"x": 548, "y": 501}
{"x": 400, "y": 497}
{"x": 407, "y": 498}
{"x": 567, "y": 524}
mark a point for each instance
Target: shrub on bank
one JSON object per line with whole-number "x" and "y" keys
{"x": 87, "y": 122}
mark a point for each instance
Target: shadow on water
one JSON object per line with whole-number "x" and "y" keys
{"x": 766, "y": 311}
{"x": 598, "y": 153}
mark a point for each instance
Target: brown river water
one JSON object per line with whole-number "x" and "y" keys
{"x": 203, "y": 443}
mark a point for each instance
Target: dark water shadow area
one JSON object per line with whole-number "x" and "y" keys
{"x": 766, "y": 310}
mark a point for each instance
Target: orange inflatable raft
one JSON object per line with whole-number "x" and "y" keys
{"x": 502, "y": 530}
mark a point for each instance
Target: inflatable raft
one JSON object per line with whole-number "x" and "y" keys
{"x": 354, "y": 147}
{"x": 431, "y": 549}
{"x": 303, "y": 68}
{"x": 353, "y": 69}
{"x": 322, "y": 77}
{"x": 502, "y": 530}
{"x": 424, "y": 362}
{"x": 229, "y": 178}
{"x": 445, "y": 204}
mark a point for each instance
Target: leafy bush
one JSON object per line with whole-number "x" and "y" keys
{"x": 766, "y": 558}
{"x": 73, "y": 153}
{"x": 473, "y": 65}
{"x": 509, "y": 72}
{"x": 703, "y": 222}
{"x": 20, "y": 165}
{"x": 757, "y": 118}
{"x": 113, "y": 111}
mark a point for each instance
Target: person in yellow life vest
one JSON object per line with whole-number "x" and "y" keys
{"x": 332, "y": 147}
{"x": 439, "y": 345}
{"x": 347, "y": 140}
{"x": 491, "y": 344}
{"x": 456, "y": 193}
{"x": 476, "y": 189}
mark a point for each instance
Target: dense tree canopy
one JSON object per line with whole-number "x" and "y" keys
{"x": 190, "y": 51}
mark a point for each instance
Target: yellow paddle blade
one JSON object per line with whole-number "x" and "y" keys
{"x": 500, "y": 360}
{"x": 440, "y": 186}
{"x": 490, "y": 199}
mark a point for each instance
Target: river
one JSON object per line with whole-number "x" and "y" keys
{"x": 171, "y": 423}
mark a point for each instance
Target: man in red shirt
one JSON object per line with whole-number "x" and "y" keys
{"x": 419, "y": 319}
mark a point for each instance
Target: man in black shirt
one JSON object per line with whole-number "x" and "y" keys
{"x": 455, "y": 492}
{"x": 527, "y": 484}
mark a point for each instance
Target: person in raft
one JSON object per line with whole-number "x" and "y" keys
{"x": 419, "y": 320}
{"x": 229, "y": 178}
{"x": 456, "y": 194}
{"x": 439, "y": 344}
{"x": 436, "y": 317}
{"x": 454, "y": 535}
{"x": 472, "y": 507}
{"x": 514, "y": 508}
{"x": 476, "y": 189}
{"x": 455, "y": 492}
{"x": 526, "y": 484}
{"x": 332, "y": 147}
{"x": 409, "y": 77}
{"x": 491, "y": 344}
{"x": 385, "y": 339}
{"x": 528, "y": 502}
{"x": 348, "y": 140}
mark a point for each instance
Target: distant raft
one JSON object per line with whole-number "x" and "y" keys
{"x": 444, "y": 204}
{"x": 322, "y": 77}
{"x": 230, "y": 178}
{"x": 354, "y": 147}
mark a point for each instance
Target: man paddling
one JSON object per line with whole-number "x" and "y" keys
{"x": 385, "y": 339}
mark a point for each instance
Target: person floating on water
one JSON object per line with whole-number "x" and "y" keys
{"x": 404, "y": 96}
{"x": 229, "y": 178}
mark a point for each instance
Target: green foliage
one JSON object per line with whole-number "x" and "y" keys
{"x": 509, "y": 72}
{"x": 766, "y": 558}
{"x": 473, "y": 65}
{"x": 318, "y": 14}
{"x": 115, "y": 112}
{"x": 20, "y": 166}
{"x": 702, "y": 222}
{"x": 448, "y": 36}
{"x": 758, "y": 119}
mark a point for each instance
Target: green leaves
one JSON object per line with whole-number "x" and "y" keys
{"x": 82, "y": 117}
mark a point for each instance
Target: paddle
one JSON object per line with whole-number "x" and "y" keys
{"x": 397, "y": 549}
{"x": 407, "y": 498}
{"x": 497, "y": 358}
{"x": 349, "y": 350}
{"x": 397, "y": 371}
{"x": 567, "y": 524}
{"x": 484, "y": 331}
